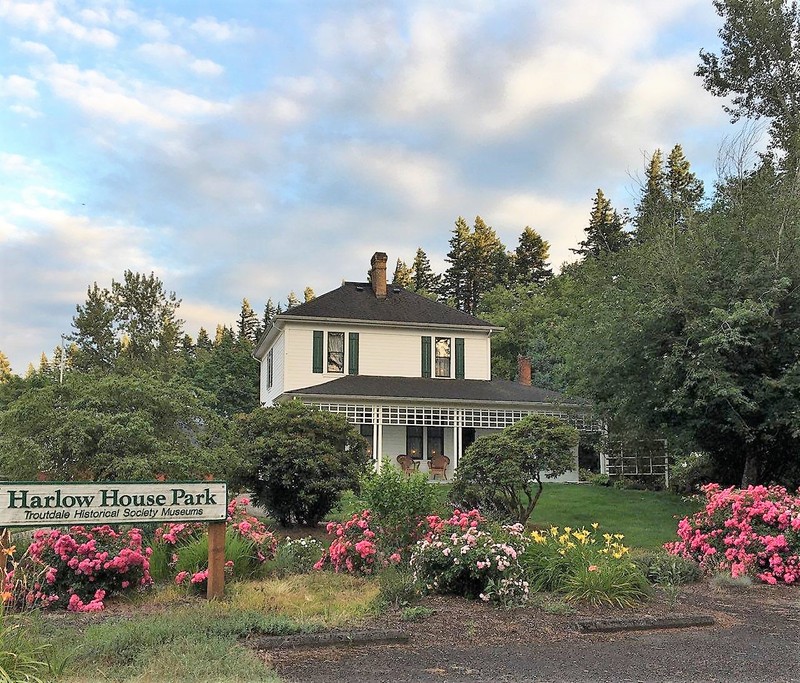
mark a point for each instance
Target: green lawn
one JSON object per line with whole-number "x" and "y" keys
{"x": 647, "y": 518}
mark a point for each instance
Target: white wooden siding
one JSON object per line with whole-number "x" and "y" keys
{"x": 268, "y": 396}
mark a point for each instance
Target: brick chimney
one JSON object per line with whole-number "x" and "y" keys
{"x": 378, "y": 274}
{"x": 524, "y": 370}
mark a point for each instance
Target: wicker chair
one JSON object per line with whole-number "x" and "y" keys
{"x": 437, "y": 466}
{"x": 406, "y": 464}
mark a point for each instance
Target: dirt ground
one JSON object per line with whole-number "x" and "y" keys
{"x": 756, "y": 637}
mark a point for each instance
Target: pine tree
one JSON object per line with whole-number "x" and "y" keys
{"x": 203, "y": 340}
{"x": 94, "y": 331}
{"x": 402, "y": 275}
{"x": 487, "y": 263}
{"x": 605, "y": 232}
{"x": 269, "y": 314}
{"x": 652, "y": 207}
{"x": 454, "y": 284}
{"x": 684, "y": 189}
{"x": 530, "y": 266}
{"x": 5, "y": 368}
{"x": 248, "y": 327}
{"x": 292, "y": 301}
{"x": 308, "y": 295}
{"x": 423, "y": 278}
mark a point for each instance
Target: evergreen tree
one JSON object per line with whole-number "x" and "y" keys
{"x": 203, "y": 340}
{"x": 248, "y": 327}
{"x": 652, "y": 207}
{"x": 44, "y": 364}
{"x": 308, "y": 295}
{"x": 94, "y": 333}
{"x": 292, "y": 301}
{"x": 454, "y": 284}
{"x": 269, "y": 314}
{"x": 423, "y": 277}
{"x": 487, "y": 263}
{"x": 402, "y": 275}
{"x": 5, "y": 368}
{"x": 684, "y": 189}
{"x": 605, "y": 233}
{"x": 530, "y": 266}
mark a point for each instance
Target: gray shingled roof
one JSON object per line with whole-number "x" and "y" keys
{"x": 493, "y": 391}
{"x": 357, "y": 301}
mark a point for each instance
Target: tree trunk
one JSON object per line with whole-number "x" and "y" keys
{"x": 750, "y": 475}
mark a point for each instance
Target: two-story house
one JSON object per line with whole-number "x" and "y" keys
{"x": 413, "y": 374}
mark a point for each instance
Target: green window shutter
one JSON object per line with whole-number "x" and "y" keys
{"x": 459, "y": 358}
{"x": 426, "y": 356}
{"x": 316, "y": 365}
{"x": 353, "y": 352}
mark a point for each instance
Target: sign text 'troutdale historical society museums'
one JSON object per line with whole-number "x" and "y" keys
{"x": 52, "y": 504}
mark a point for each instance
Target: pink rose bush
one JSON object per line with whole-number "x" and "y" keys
{"x": 353, "y": 549}
{"x": 79, "y": 567}
{"x": 754, "y": 531}
{"x": 464, "y": 556}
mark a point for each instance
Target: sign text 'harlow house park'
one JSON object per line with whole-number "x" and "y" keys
{"x": 27, "y": 503}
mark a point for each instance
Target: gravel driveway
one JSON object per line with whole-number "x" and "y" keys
{"x": 756, "y": 638}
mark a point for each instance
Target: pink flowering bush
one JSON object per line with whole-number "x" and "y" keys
{"x": 248, "y": 545}
{"x": 464, "y": 556}
{"x": 754, "y": 531}
{"x": 81, "y": 567}
{"x": 353, "y": 549}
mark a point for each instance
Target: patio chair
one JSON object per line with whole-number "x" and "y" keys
{"x": 406, "y": 464}
{"x": 437, "y": 466}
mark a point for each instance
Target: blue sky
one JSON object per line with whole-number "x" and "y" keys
{"x": 250, "y": 148}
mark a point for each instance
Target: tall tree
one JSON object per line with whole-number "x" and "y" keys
{"x": 684, "y": 189}
{"x": 758, "y": 67}
{"x": 423, "y": 278}
{"x": 95, "y": 334}
{"x": 455, "y": 281}
{"x": 402, "y": 275}
{"x": 308, "y": 295}
{"x": 5, "y": 368}
{"x": 605, "y": 233}
{"x": 269, "y": 313}
{"x": 530, "y": 264}
{"x": 248, "y": 327}
{"x": 292, "y": 300}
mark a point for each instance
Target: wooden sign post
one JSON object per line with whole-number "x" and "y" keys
{"x": 215, "y": 586}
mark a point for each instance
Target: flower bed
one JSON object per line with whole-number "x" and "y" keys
{"x": 754, "y": 531}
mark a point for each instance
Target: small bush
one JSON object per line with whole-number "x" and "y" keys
{"x": 619, "y": 584}
{"x": 461, "y": 557}
{"x": 595, "y": 478}
{"x": 353, "y": 549}
{"x": 417, "y": 613}
{"x": 663, "y": 569}
{"x": 296, "y": 556}
{"x": 398, "y": 504}
{"x": 398, "y": 586}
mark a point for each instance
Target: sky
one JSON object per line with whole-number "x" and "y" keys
{"x": 249, "y": 148}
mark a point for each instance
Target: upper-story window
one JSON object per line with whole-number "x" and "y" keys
{"x": 438, "y": 354}
{"x": 334, "y": 361}
{"x": 335, "y": 351}
{"x": 442, "y": 347}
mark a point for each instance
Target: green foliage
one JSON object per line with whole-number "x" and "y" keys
{"x": 299, "y": 460}
{"x": 416, "y": 613}
{"x": 296, "y": 556}
{"x": 503, "y": 472}
{"x": 690, "y": 471}
{"x": 22, "y": 658}
{"x": 605, "y": 233}
{"x": 619, "y": 584}
{"x": 116, "y": 426}
{"x": 424, "y": 280}
{"x": 193, "y": 555}
{"x": 663, "y": 569}
{"x": 398, "y": 504}
{"x": 398, "y": 588}
{"x": 530, "y": 268}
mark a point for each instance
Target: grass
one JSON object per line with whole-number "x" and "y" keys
{"x": 648, "y": 519}
{"x": 170, "y": 637}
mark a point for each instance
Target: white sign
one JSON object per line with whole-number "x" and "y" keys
{"x": 53, "y": 504}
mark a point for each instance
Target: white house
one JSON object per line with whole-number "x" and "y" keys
{"x": 413, "y": 374}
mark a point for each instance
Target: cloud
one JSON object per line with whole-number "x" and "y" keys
{"x": 170, "y": 55}
{"x": 219, "y": 31}
{"x": 44, "y": 17}
{"x": 18, "y": 87}
{"x": 39, "y": 50}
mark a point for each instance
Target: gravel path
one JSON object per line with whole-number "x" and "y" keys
{"x": 756, "y": 639}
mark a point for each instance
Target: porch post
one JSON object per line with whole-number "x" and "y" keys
{"x": 377, "y": 447}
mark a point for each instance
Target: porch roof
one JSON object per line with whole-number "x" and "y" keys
{"x": 473, "y": 390}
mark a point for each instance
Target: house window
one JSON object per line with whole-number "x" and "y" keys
{"x": 335, "y": 351}
{"x": 366, "y": 432}
{"x": 442, "y": 356}
{"x": 269, "y": 369}
{"x": 435, "y": 441}
{"x": 414, "y": 441}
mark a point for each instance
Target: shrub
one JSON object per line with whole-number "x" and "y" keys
{"x": 417, "y": 613}
{"x": 398, "y": 586}
{"x": 459, "y": 557}
{"x": 353, "y": 549}
{"x": 82, "y": 567}
{"x": 503, "y": 472}
{"x": 296, "y": 556}
{"x": 397, "y": 504}
{"x": 300, "y": 460}
{"x": 755, "y": 531}
{"x": 664, "y": 569}
{"x": 577, "y": 564}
